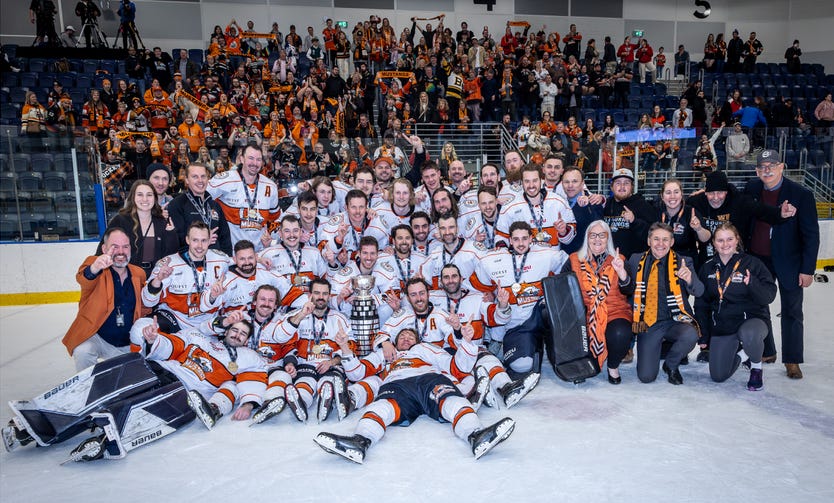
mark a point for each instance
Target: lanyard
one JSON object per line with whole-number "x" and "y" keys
{"x": 295, "y": 265}
{"x": 318, "y": 334}
{"x": 358, "y": 236}
{"x": 538, "y": 217}
{"x": 674, "y": 219}
{"x": 517, "y": 271}
{"x": 723, "y": 287}
{"x": 490, "y": 237}
{"x": 232, "y": 356}
{"x": 453, "y": 253}
{"x": 403, "y": 276}
{"x": 201, "y": 209}
{"x": 450, "y": 300}
{"x": 197, "y": 277}
{"x": 258, "y": 328}
{"x": 251, "y": 201}
{"x": 421, "y": 331}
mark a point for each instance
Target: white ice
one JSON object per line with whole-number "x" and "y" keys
{"x": 701, "y": 441}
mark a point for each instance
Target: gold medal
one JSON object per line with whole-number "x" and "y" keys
{"x": 232, "y": 366}
{"x": 542, "y": 237}
{"x": 516, "y": 288}
{"x": 317, "y": 349}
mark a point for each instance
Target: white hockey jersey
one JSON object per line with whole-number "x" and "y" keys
{"x": 421, "y": 359}
{"x": 546, "y": 214}
{"x": 497, "y": 269}
{"x": 465, "y": 256}
{"x": 392, "y": 272}
{"x": 299, "y": 267}
{"x": 472, "y": 309}
{"x": 181, "y": 292}
{"x": 247, "y": 208}
{"x": 240, "y": 290}
{"x": 432, "y": 328}
{"x": 316, "y": 337}
{"x": 204, "y": 364}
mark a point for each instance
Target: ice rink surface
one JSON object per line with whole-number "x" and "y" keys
{"x": 701, "y": 441}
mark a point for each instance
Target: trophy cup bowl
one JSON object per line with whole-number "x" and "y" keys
{"x": 362, "y": 286}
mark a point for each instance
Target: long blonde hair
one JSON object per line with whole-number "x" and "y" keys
{"x": 583, "y": 251}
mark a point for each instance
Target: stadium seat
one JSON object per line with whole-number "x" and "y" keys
{"x": 67, "y": 80}
{"x": 65, "y": 201}
{"x": 4, "y": 95}
{"x": 196, "y": 55}
{"x": 9, "y": 229}
{"x": 42, "y": 95}
{"x": 4, "y": 161}
{"x": 83, "y": 82}
{"x": 762, "y": 68}
{"x": 38, "y": 65}
{"x": 41, "y": 203}
{"x": 90, "y": 66}
{"x": 18, "y": 96}
{"x": 791, "y": 159}
{"x": 109, "y": 66}
{"x": 30, "y": 181}
{"x": 20, "y": 163}
{"x": 63, "y": 163}
{"x": 8, "y": 181}
{"x": 28, "y": 79}
{"x": 55, "y": 181}
{"x": 78, "y": 98}
{"x": 41, "y": 162}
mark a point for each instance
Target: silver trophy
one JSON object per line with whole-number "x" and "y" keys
{"x": 364, "y": 319}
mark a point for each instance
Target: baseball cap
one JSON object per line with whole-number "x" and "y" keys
{"x": 767, "y": 156}
{"x": 70, "y": 28}
{"x": 384, "y": 158}
{"x": 622, "y": 173}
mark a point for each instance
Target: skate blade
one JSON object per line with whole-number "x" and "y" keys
{"x": 329, "y": 445}
{"x": 197, "y": 406}
{"x": 503, "y": 432}
{"x": 263, "y": 415}
{"x": 9, "y": 439}
{"x": 295, "y": 405}
{"x": 325, "y": 404}
{"x": 79, "y": 455}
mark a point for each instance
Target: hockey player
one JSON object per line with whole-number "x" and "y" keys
{"x": 464, "y": 253}
{"x": 319, "y": 357}
{"x": 416, "y": 383}
{"x": 423, "y": 232}
{"x": 432, "y": 182}
{"x": 400, "y": 265}
{"x": 249, "y": 200}
{"x": 520, "y": 269}
{"x": 365, "y": 263}
{"x": 396, "y": 210}
{"x": 132, "y": 401}
{"x": 480, "y": 225}
{"x": 178, "y": 281}
{"x": 344, "y": 231}
{"x": 473, "y": 309}
{"x": 298, "y": 263}
{"x": 549, "y": 215}
{"x": 513, "y": 162}
{"x": 235, "y": 290}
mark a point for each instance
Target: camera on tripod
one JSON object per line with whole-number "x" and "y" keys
{"x": 89, "y": 13}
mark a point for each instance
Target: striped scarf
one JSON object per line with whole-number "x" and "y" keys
{"x": 596, "y": 279}
{"x": 646, "y": 293}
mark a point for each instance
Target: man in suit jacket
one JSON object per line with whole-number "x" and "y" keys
{"x": 788, "y": 249}
{"x": 110, "y": 301}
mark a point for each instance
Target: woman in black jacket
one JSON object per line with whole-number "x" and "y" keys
{"x": 738, "y": 288}
{"x": 150, "y": 233}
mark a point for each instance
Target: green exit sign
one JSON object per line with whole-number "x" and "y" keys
{"x": 341, "y": 24}
{"x": 637, "y": 33}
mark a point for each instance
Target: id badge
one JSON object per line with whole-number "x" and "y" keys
{"x": 120, "y": 320}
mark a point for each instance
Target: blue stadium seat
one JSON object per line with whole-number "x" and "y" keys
{"x": 28, "y": 79}
{"x": 8, "y": 181}
{"x": 9, "y": 79}
{"x": 196, "y": 55}
{"x": 30, "y": 181}
{"x": 109, "y": 66}
{"x": 78, "y": 98}
{"x": 18, "y": 96}
{"x": 20, "y": 162}
{"x": 41, "y": 162}
{"x": 67, "y": 80}
{"x": 770, "y": 91}
{"x": 65, "y": 201}
{"x": 37, "y": 65}
{"x": 83, "y": 82}
{"x": 90, "y": 66}
{"x": 791, "y": 159}
{"x": 762, "y": 68}
{"x": 55, "y": 181}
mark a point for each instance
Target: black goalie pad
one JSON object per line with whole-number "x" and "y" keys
{"x": 566, "y": 342}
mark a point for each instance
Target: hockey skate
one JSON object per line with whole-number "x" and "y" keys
{"x": 14, "y": 437}
{"x": 483, "y": 440}
{"x": 513, "y": 392}
{"x": 268, "y": 410}
{"x": 325, "y": 401}
{"x": 352, "y": 448}
{"x": 88, "y": 450}
{"x": 481, "y": 389}
{"x": 206, "y": 412}
{"x": 343, "y": 401}
{"x": 295, "y": 404}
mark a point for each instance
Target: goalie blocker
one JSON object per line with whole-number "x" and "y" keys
{"x": 132, "y": 401}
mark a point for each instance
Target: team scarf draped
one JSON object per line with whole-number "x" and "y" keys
{"x": 646, "y": 293}
{"x": 595, "y": 280}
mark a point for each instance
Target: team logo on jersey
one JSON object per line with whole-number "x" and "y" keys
{"x": 387, "y": 267}
{"x": 478, "y": 245}
{"x": 221, "y": 176}
{"x": 214, "y": 215}
{"x": 335, "y": 219}
{"x": 440, "y": 391}
{"x": 737, "y": 278}
{"x": 470, "y": 224}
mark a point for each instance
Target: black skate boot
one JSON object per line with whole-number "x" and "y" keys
{"x": 325, "y": 401}
{"x": 481, "y": 389}
{"x": 269, "y": 409}
{"x": 14, "y": 437}
{"x": 352, "y": 448}
{"x": 483, "y": 440}
{"x": 513, "y": 392}
{"x": 295, "y": 404}
{"x": 344, "y": 402}
{"x": 207, "y": 412}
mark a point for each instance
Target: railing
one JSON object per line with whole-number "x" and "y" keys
{"x": 475, "y": 144}
{"x": 47, "y": 187}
